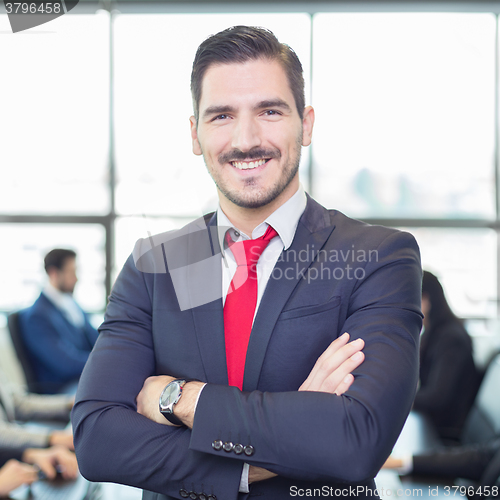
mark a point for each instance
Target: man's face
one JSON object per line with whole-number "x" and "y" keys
{"x": 250, "y": 133}
{"x": 65, "y": 278}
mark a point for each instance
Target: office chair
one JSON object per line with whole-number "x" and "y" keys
{"x": 22, "y": 354}
{"x": 483, "y": 421}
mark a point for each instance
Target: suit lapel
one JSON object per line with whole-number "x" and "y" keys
{"x": 313, "y": 230}
{"x": 208, "y": 318}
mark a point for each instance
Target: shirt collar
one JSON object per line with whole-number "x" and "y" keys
{"x": 284, "y": 221}
{"x": 55, "y": 295}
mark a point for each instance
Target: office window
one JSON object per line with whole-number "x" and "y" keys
{"x": 464, "y": 260}
{"x": 54, "y": 117}
{"x": 130, "y": 229}
{"x": 157, "y": 171}
{"x": 25, "y": 245}
{"x": 405, "y": 114}
{"x": 405, "y": 110}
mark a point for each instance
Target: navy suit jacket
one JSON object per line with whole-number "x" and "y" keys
{"x": 57, "y": 348}
{"x": 310, "y": 439}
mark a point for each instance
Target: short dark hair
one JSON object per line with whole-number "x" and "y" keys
{"x": 57, "y": 258}
{"x": 244, "y": 43}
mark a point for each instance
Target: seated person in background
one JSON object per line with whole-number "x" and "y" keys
{"x": 56, "y": 331}
{"x": 14, "y": 473}
{"x": 448, "y": 377}
{"x": 477, "y": 462}
{"x": 15, "y": 405}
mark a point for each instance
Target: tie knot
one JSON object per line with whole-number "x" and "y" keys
{"x": 248, "y": 252}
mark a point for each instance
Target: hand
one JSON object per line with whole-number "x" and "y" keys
{"x": 332, "y": 371}
{"x": 259, "y": 474}
{"x": 51, "y": 460}
{"x": 14, "y": 474}
{"x": 149, "y": 397}
{"x": 62, "y": 438}
{"x": 393, "y": 463}
{"x": 148, "y": 400}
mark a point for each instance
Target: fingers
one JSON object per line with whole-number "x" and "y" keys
{"x": 46, "y": 464}
{"x": 344, "y": 385}
{"x": 53, "y": 460}
{"x": 341, "y": 379}
{"x": 330, "y": 370}
{"x": 14, "y": 474}
{"x": 337, "y": 344}
{"x": 66, "y": 463}
{"x": 62, "y": 438}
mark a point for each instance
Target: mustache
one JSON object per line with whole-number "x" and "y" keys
{"x": 253, "y": 154}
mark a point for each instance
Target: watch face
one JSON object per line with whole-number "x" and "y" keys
{"x": 170, "y": 393}
{"x": 170, "y": 396}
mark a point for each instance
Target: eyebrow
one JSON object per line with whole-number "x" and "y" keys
{"x": 271, "y": 103}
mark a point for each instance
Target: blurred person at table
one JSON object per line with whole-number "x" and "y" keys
{"x": 18, "y": 406}
{"x": 479, "y": 462}
{"x": 449, "y": 379}
{"x": 56, "y": 331}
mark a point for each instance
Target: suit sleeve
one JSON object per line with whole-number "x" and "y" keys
{"x": 42, "y": 407}
{"x": 318, "y": 436}
{"x": 115, "y": 443}
{"x": 14, "y": 436}
{"x": 469, "y": 462}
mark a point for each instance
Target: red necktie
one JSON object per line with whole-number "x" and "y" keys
{"x": 241, "y": 300}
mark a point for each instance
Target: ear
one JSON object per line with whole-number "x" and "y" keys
{"x": 307, "y": 125}
{"x": 194, "y": 136}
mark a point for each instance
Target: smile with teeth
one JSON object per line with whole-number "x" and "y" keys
{"x": 247, "y": 165}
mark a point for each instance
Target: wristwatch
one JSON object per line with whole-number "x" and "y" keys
{"x": 169, "y": 398}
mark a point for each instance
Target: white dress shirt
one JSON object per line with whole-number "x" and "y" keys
{"x": 66, "y": 304}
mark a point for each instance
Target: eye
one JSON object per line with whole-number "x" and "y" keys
{"x": 272, "y": 112}
{"x": 220, "y": 117}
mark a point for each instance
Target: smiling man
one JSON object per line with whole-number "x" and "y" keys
{"x": 224, "y": 368}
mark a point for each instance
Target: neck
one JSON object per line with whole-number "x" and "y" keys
{"x": 247, "y": 219}
{"x": 54, "y": 284}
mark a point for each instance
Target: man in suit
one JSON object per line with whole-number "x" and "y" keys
{"x": 281, "y": 404}
{"x": 57, "y": 333}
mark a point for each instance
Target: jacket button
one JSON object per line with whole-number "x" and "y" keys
{"x": 202, "y": 496}
{"x": 193, "y": 495}
{"x": 228, "y": 446}
{"x": 238, "y": 449}
{"x": 217, "y": 445}
{"x": 249, "y": 450}
{"x": 183, "y": 493}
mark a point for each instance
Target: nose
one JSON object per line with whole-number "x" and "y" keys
{"x": 246, "y": 134}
